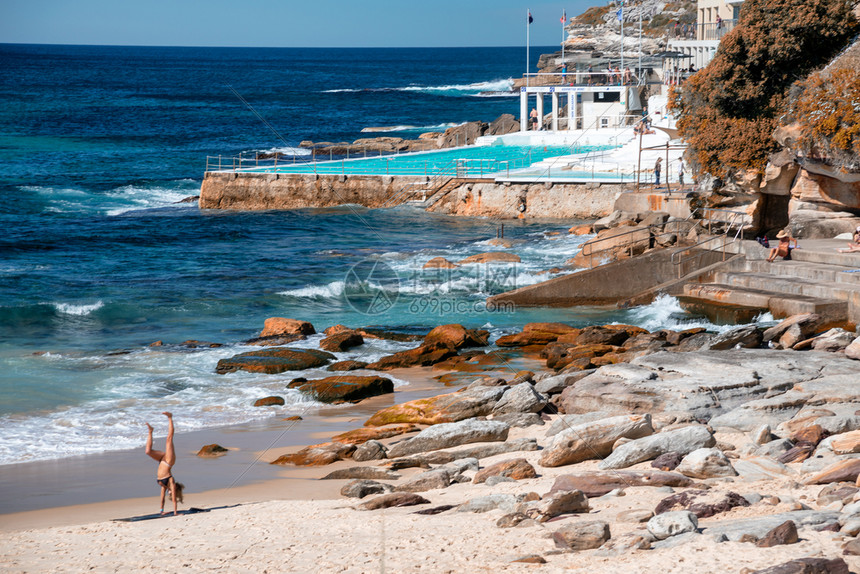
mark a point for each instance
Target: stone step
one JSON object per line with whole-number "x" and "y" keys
{"x": 805, "y": 270}
{"x": 780, "y": 305}
{"x": 827, "y": 256}
{"x": 788, "y": 286}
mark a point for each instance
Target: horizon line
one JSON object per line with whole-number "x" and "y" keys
{"x": 264, "y": 47}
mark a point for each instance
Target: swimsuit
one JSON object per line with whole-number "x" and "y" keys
{"x": 165, "y": 482}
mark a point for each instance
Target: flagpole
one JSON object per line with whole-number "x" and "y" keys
{"x": 639, "y": 73}
{"x": 622, "y": 37}
{"x": 563, "y": 18}
{"x": 528, "y": 29}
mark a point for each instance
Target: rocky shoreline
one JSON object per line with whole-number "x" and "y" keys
{"x": 762, "y": 424}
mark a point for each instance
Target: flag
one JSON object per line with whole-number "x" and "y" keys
{"x": 620, "y": 12}
{"x": 530, "y": 17}
{"x": 563, "y": 16}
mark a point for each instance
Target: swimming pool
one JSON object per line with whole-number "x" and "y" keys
{"x": 473, "y": 161}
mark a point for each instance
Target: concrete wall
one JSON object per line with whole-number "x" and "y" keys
{"x": 605, "y": 285}
{"x": 530, "y": 201}
{"x": 244, "y": 191}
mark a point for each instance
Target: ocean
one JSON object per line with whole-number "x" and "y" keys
{"x": 100, "y": 257}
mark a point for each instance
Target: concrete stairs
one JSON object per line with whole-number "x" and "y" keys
{"x": 818, "y": 279}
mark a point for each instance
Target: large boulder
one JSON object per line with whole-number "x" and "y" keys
{"x": 344, "y": 388}
{"x": 522, "y": 398}
{"x": 597, "y": 482}
{"x": 706, "y": 463}
{"x": 594, "y": 439}
{"x": 317, "y": 455}
{"x": 846, "y": 470}
{"x": 517, "y": 469}
{"x": 448, "y": 408}
{"x": 683, "y": 440}
{"x": 456, "y": 336}
{"x": 582, "y": 535}
{"x": 446, "y": 435}
{"x": 394, "y": 499}
{"x": 504, "y": 124}
{"x": 422, "y": 356}
{"x": 341, "y": 341}
{"x": 274, "y": 360}
{"x": 463, "y": 134}
{"x": 669, "y": 524}
{"x": 364, "y": 434}
{"x": 274, "y": 326}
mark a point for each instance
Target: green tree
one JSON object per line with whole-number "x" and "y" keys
{"x": 728, "y": 110}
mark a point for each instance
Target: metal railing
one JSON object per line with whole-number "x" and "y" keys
{"x": 607, "y": 77}
{"x": 709, "y": 31}
{"x": 722, "y": 240}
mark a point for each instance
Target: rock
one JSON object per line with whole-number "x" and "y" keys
{"x": 504, "y": 502}
{"x": 702, "y": 503}
{"x": 423, "y": 356}
{"x": 851, "y": 548}
{"x": 761, "y": 468}
{"x": 520, "y": 419}
{"x": 358, "y": 436}
{"x": 852, "y": 351}
{"x": 582, "y": 536}
{"x": 569, "y": 421}
{"x": 593, "y": 439}
{"x": 522, "y": 398}
{"x": 394, "y": 499}
{"x": 747, "y": 337}
{"x": 561, "y": 355}
{"x": 274, "y": 360}
{"x": 808, "y": 566}
{"x": 346, "y": 366}
{"x": 212, "y": 451}
{"x": 796, "y": 453}
{"x": 706, "y": 463}
{"x": 762, "y": 435}
{"x": 846, "y": 443}
{"x": 275, "y": 326}
{"x": 456, "y": 336}
{"x": 517, "y": 469}
{"x": 369, "y": 333}
{"x": 446, "y": 435}
{"x": 597, "y": 483}
{"x": 429, "y": 480}
{"x": 269, "y": 401}
{"x": 557, "y": 383}
{"x": 635, "y": 515}
{"x": 370, "y": 450}
{"x": 811, "y": 434}
{"x": 504, "y": 124}
{"x": 808, "y": 323}
{"x": 842, "y": 471}
{"x": 293, "y": 418}
{"x": 625, "y": 544}
{"x": 536, "y": 334}
{"x": 317, "y": 455}
{"x": 667, "y": 461}
{"x": 606, "y": 334}
{"x": 447, "y": 408}
{"x": 836, "y": 493}
{"x": 580, "y": 230}
{"x": 345, "y": 388}
{"x": 683, "y": 441}
{"x": 463, "y": 134}
{"x": 491, "y": 257}
{"x": 833, "y": 340}
{"x": 440, "y": 263}
{"x": 851, "y": 526}
{"x": 554, "y": 504}
{"x": 339, "y": 342}
{"x": 361, "y": 472}
{"x": 669, "y": 524}
{"x": 362, "y": 488}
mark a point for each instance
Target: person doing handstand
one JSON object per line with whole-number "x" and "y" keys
{"x": 166, "y": 460}
{"x": 784, "y": 248}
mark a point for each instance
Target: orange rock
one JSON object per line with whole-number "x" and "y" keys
{"x": 358, "y": 436}
{"x": 581, "y": 230}
{"x": 344, "y": 388}
{"x": 491, "y": 257}
{"x": 269, "y": 401}
{"x": 424, "y": 356}
{"x": 336, "y": 329}
{"x": 846, "y": 443}
{"x": 212, "y": 451}
{"x": 843, "y": 471}
{"x": 557, "y": 328}
{"x": 456, "y": 336}
{"x": 281, "y": 326}
{"x": 812, "y": 434}
{"x": 440, "y": 263}
{"x": 293, "y": 418}
{"x": 317, "y": 455}
{"x": 517, "y": 469}
{"x": 341, "y": 341}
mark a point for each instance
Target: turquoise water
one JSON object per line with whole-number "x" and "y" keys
{"x": 476, "y": 161}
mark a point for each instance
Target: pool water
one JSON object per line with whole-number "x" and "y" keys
{"x": 474, "y": 161}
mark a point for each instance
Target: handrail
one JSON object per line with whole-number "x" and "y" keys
{"x": 736, "y": 216}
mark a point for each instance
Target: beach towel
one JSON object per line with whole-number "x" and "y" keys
{"x": 169, "y": 514}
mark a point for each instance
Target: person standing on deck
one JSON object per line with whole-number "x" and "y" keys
{"x": 681, "y": 172}
{"x": 657, "y": 165}
{"x": 534, "y": 117}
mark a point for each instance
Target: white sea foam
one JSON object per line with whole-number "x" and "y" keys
{"x": 489, "y": 87}
{"x": 665, "y": 312}
{"x": 331, "y": 290}
{"x": 79, "y": 310}
{"x": 408, "y": 128}
{"x": 294, "y": 151}
{"x": 131, "y": 197}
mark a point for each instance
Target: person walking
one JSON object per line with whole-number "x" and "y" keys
{"x": 681, "y": 172}
{"x": 166, "y": 461}
{"x": 534, "y": 117}
{"x": 657, "y": 166}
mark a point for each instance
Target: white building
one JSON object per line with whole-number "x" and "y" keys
{"x": 715, "y": 18}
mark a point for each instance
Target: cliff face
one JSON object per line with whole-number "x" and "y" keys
{"x": 597, "y": 32}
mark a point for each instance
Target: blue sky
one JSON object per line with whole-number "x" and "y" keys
{"x": 277, "y": 23}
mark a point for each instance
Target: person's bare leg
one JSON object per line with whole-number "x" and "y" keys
{"x": 163, "y": 491}
{"x": 772, "y": 254}
{"x": 169, "y": 452}
{"x": 156, "y": 454}
{"x": 173, "y": 495}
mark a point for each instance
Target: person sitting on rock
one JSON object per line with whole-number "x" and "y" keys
{"x": 854, "y": 245}
{"x": 784, "y": 248}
